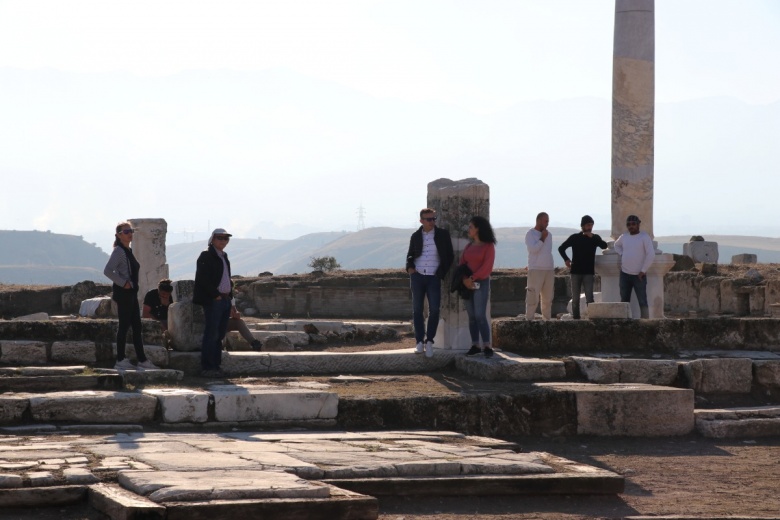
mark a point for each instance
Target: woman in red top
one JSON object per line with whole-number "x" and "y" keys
{"x": 479, "y": 256}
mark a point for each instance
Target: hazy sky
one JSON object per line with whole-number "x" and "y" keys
{"x": 274, "y": 118}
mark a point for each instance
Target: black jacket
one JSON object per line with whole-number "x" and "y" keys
{"x": 208, "y": 275}
{"x": 441, "y": 237}
{"x": 456, "y": 285}
{"x": 583, "y": 252}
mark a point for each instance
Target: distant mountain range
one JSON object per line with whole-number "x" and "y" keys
{"x": 36, "y": 257}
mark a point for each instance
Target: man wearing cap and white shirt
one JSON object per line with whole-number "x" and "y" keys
{"x": 541, "y": 270}
{"x": 637, "y": 255}
{"x": 213, "y": 290}
{"x": 582, "y": 264}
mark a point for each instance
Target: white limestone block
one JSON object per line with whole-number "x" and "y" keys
{"x": 609, "y": 310}
{"x": 23, "y": 352}
{"x": 92, "y": 406}
{"x": 185, "y": 324}
{"x": 73, "y": 352}
{"x": 181, "y": 404}
{"x": 267, "y": 403}
{"x": 719, "y": 376}
{"x": 702, "y": 251}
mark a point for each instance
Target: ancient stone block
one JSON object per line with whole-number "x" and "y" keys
{"x": 279, "y": 343}
{"x": 732, "y": 301}
{"x": 681, "y": 291}
{"x": 596, "y": 370}
{"x": 505, "y": 366}
{"x": 634, "y": 410}
{"x": 185, "y": 324}
{"x": 23, "y": 352}
{"x": 181, "y": 404}
{"x": 744, "y": 258}
{"x": 767, "y": 373}
{"x": 701, "y": 251}
{"x": 73, "y": 352}
{"x": 661, "y": 372}
{"x": 265, "y": 403}
{"x": 609, "y": 310}
{"x": 709, "y": 295}
{"x": 93, "y": 407}
{"x": 12, "y": 407}
{"x": 719, "y": 376}
{"x": 149, "y": 250}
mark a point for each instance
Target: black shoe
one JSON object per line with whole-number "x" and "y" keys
{"x": 256, "y": 345}
{"x": 488, "y": 352}
{"x": 474, "y": 351}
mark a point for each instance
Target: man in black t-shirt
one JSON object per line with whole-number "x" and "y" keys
{"x": 156, "y": 303}
{"x": 583, "y": 247}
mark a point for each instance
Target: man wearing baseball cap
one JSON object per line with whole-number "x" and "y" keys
{"x": 213, "y": 290}
{"x": 583, "y": 251}
{"x": 637, "y": 255}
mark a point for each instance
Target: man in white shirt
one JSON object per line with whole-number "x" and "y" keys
{"x": 637, "y": 255}
{"x": 429, "y": 258}
{"x": 541, "y": 270}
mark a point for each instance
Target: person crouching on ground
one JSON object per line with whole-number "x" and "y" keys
{"x": 156, "y": 303}
{"x": 122, "y": 269}
{"x": 479, "y": 256}
{"x": 213, "y": 290}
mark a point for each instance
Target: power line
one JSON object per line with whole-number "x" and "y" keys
{"x": 361, "y": 213}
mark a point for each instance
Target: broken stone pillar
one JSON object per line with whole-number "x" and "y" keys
{"x": 149, "y": 249}
{"x": 633, "y": 134}
{"x": 455, "y": 203}
{"x": 744, "y": 258}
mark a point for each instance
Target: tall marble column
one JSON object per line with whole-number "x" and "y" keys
{"x": 149, "y": 249}
{"x": 455, "y": 203}
{"x": 633, "y": 106}
{"x": 633, "y": 134}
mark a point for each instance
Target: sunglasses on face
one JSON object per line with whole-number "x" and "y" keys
{"x": 221, "y": 237}
{"x": 429, "y": 219}
{"x": 630, "y": 224}
{"x": 127, "y": 231}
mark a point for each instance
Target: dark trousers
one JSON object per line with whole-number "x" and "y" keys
{"x": 632, "y": 281}
{"x": 579, "y": 282}
{"x": 422, "y": 286}
{"x": 129, "y": 313}
{"x": 216, "y": 315}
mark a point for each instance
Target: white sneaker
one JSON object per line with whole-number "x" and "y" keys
{"x": 123, "y": 365}
{"x": 428, "y": 349}
{"x": 419, "y": 349}
{"x": 147, "y": 365}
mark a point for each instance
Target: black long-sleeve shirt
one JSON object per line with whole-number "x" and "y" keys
{"x": 583, "y": 252}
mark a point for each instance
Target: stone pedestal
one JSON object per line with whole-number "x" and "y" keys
{"x": 149, "y": 249}
{"x": 702, "y": 251}
{"x": 455, "y": 203}
{"x": 608, "y": 267}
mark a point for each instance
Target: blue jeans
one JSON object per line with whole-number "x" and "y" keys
{"x": 476, "y": 308}
{"x": 578, "y": 282}
{"x": 422, "y": 286}
{"x": 216, "y": 315}
{"x": 632, "y": 281}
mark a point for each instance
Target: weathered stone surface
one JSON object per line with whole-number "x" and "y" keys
{"x": 9, "y": 480}
{"x": 41, "y": 478}
{"x": 118, "y": 503}
{"x": 142, "y": 378}
{"x": 73, "y": 352}
{"x": 767, "y": 373}
{"x": 149, "y": 250}
{"x": 187, "y": 362}
{"x": 649, "y": 371}
{"x": 681, "y": 291}
{"x": 37, "y": 316}
{"x": 279, "y": 344}
{"x": 744, "y": 258}
{"x": 758, "y": 421}
{"x": 709, "y": 295}
{"x": 633, "y": 410}
{"x": 12, "y": 407}
{"x": 185, "y": 324}
{"x": 596, "y": 370}
{"x": 71, "y": 299}
{"x": 609, "y": 310}
{"x": 157, "y": 354}
{"x": 727, "y": 376}
{"x": 505, "y": 366}
{"x": 79, "y": 476}
{"x": 264, "y": 403}
{"x": 181, "y": 404}
{"x": 297, "y": 338}
{"x": 702, "y": 251}
{"x": 93, "y": 407}
{"x": 22, "y": 352}
{"x": 682, "y": 263}
{"x": 170, "y": 486}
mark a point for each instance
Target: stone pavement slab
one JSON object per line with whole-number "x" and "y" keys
{"x": 90, "y": 406}
{"x": 266, "y": 403}
{"x": 505, "y": 366}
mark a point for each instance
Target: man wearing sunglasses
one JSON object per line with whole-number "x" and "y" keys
{"x": 429, "y": 258}
{"x": 214, "y": 292}
{"x": 637, "y": 255}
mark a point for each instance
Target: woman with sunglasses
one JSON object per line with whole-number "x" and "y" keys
{"x": 122, "y": 269}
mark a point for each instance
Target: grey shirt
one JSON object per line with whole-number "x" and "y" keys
{"x": 118, "y": 267}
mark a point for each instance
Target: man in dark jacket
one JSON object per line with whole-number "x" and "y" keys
{"x": 213, "y": 290}
{"x": 429, "y": 258}
{"x": 583, "y": 251}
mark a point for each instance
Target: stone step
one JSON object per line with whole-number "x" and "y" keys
{"x": 53, "y": 383}
{"x": 746, "y": 422}
{"x": 505, "y": 366}
{"x": 65, "y": 353}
